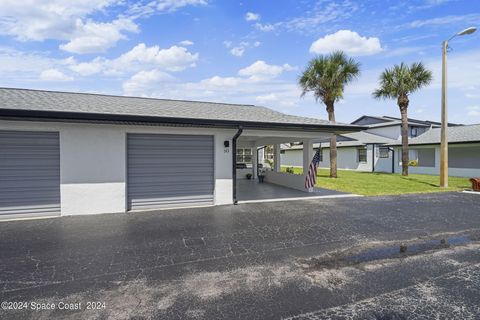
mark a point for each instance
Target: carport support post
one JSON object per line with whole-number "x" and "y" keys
{"x": 254, "y": 162}
{"x": 307, "y": 155}
{"x": 276, "y": 158}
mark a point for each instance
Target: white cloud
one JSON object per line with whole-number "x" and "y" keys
{"x": 473, "y": 111}
{"x": 65, "y": 21}
{"x": 88, "y": 68}
{"x": 186, "y": 43}
{"x": 256, "y": 83}
{"x": 72, "y": 21}
{"x": 141, "y": 81}
{"x": 320, "y": 14}
{"x": 348, "y": 41}
{"x": 150, "y": 7}
{"x": 54, "y": 75}
{"x": 264, "y": 27}
{"x": 172, "y": 59}
{"x": 446, "y": 20}
{"x": 237, "y": 51}
{"x": 250, "y": 16}
{"x": 139, "y": 58}
{"x": 40, "y": 20}
{"x": 262, "y": 70}
{"x": 92, "y": 37}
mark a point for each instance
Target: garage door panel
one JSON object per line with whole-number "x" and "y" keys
{"x": 29, "y": 173}
{"x": 169, "y": 170}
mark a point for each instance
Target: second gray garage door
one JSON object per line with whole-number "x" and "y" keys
{"x": 165, "y": 171}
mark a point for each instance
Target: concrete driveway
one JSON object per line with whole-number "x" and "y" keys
{"x": 307, "y": 259}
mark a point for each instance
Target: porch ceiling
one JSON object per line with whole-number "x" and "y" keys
{"x": 258, "y": 138}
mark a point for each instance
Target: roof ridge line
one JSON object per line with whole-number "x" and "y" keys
{"x": 131, "y": 97}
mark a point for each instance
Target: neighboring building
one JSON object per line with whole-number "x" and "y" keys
{"x": 463, "y": 152}
{"x": 354, "y": 152}
{"x": 369, "y": 150}
{"x": 73, "y": 153}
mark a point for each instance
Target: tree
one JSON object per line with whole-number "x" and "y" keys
{"x": 398, "y": 83}
{"x": 326, "y": 77}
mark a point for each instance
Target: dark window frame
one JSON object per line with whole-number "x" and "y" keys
{"x": 386, "y": 154}
{"x": 362, "y": 155}
{"x": 412, "y": 130}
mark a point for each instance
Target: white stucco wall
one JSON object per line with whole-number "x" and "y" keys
{"x": 383, "y": 164}
{"x": 93, "y": 162}
{"x": 452, "y": 171}
{"x": 295, "y": 181}
{"x": 347, "y": 159}
{"x": 292, "y": 158}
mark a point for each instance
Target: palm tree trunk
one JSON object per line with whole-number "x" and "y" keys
{"x": 403, "y": 104}
{"x": 333, "y": 142}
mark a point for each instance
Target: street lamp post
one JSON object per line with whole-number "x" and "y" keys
{"x": 444, "y": 138}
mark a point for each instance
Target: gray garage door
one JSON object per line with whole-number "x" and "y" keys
{"x": 167, "y": 171}
{"x": 29, "y": 173}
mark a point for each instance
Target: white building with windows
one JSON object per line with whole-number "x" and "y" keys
{"x": 65, "y": 153}
{"x": 377, "y": 149}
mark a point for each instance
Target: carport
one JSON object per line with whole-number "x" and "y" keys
{"x": 277, "y": 185}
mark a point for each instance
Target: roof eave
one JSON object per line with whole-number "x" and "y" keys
{"x": 16, "y": 114}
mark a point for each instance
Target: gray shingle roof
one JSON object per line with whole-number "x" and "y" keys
{"x": 457, "y": 134}
{"x": 37, "y": 100}
{"x": 354, "y": 139}
{"x": 360, "y": 139}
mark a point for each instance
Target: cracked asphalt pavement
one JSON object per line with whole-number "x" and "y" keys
{"x": 308, "y": 259}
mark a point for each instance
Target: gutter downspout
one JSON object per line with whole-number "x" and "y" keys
{"x": 373, "y": 157}
{"x": 234, "y": 164}
{"x": 393, "y": 159}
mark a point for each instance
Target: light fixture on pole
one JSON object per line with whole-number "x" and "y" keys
{"x": 444, "y": 139}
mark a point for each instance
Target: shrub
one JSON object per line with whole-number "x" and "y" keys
{"x": 290, "y": 170}
{"x": 249, "y": 176}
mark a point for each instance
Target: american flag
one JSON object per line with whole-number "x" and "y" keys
{"x": 311, "y": 177}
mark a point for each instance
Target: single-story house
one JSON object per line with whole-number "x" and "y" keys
{"x": 369, "y": 150}
{"x": 359, "y": 151}
{"x": 76, "y": 153}
{"x": 463, "y": 152}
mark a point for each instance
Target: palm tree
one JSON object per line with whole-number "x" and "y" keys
{"x": 326, "y": 76}
{"x": 398, "y": 83}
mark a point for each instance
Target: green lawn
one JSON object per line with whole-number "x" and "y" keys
{"x": 374, "y": 184}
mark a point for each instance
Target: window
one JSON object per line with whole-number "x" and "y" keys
{"x": 244, "y": 155}
{"x": 426, "y": 157}
{"x": 413, "y": 132}
{"x": 384, "y": 152}
{"x": 362, "y": 155}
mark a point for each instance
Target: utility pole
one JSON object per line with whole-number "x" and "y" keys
{"x": 443, "y": 133}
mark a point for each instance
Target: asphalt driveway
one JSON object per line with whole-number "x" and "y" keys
{"x": 307, "y": 259}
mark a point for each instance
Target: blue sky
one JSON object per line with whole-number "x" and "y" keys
{"x": 241, "y": 52}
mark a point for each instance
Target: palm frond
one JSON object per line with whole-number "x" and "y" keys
{"x": 327, "y": 75}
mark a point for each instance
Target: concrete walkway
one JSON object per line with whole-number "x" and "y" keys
{"x": 253, "y": 191}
